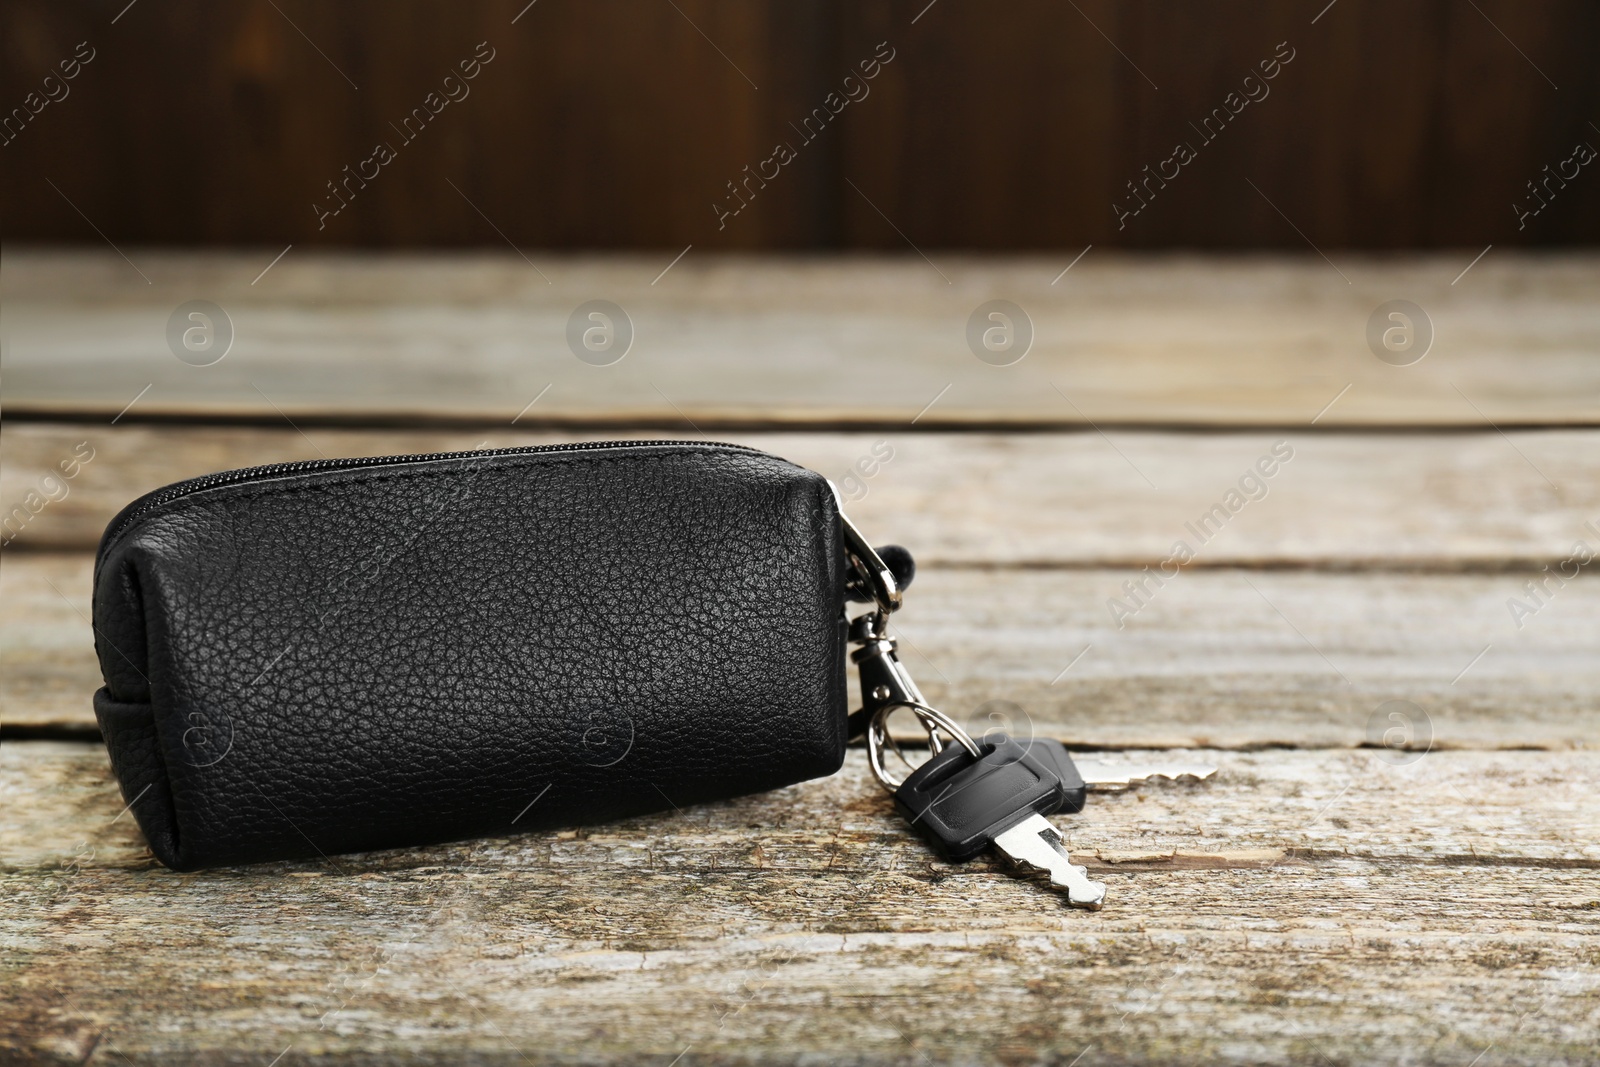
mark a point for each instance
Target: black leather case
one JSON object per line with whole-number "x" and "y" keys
{"x": 337, "y": 656}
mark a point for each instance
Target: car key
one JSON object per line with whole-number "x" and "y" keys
{"x": 1103, "y": 775}
{"x": 968, "y": 797}
{"x": 963, "y": 804}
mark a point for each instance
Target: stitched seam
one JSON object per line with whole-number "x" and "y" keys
{"x": 158, "y": 744}
{"x": 159, "y": 739}
{"x": 328, "y": 479}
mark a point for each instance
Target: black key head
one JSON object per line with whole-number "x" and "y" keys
{"x": 1073, "y": 789}
{"x": 960, "y": 803}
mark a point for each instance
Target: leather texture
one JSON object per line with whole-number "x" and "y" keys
{"x": 327, "y": 661}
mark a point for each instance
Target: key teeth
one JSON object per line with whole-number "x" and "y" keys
{"x": 1084, "y": 894}
{"x": 1186, "y": 776}
{"x": 1036, "y": 845}
{"x": 1080, "y": 894}
{"x": 1118, "y": 775}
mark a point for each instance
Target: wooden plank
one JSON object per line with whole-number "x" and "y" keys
{"x": 1223, "y": 658}
{"x": 630, "y": 121}
{"x": 1453, "y": 501}
{"x": 602, "y": 86}
{"x": 1065, "y": 101}
{"x": 1120, "y": 340}
{"x": 1318, "y": 905}
{"x": 1515, "y": 806}
{"x": 46, "y": 642}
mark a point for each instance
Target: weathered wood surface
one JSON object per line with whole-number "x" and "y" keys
{"x": 1468, "y": 500}
{"x": 1321, "y": 906}
{"x": 1129, "y": 339}
{"x": 1209, "y": 662}
{"x": 1328, "y": 898}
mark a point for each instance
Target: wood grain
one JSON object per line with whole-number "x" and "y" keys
{"x": 1463, "y": 501}
{"x": 1302, "y": 905}
{"x": 876, "y": 343}
{"x": 1224, "y": 658}
{"x": 609, "y": 124}
{"x": 1022, "y": 131}
{"x": 1396, "y": 862}
{"x": 601, "y": 125}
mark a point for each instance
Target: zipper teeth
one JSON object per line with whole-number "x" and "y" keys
{"x": 173, "y": 492}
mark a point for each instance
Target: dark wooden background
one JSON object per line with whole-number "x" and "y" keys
{"x": 617, "y": 123}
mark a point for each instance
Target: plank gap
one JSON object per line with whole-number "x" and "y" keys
{"x": 1332, "y": 565}
{"x": 218, "y": 416}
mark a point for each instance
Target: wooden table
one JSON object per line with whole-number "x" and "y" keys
{"x": 1352, "y": 887}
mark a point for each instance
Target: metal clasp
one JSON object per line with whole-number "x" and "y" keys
{"x": 886, "y": 687}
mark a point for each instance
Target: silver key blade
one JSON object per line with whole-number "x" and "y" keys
{"x": 1036, "y": 844}
{"x": 1104, "y": 775}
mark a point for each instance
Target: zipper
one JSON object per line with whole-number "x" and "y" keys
{"x": 161, "y": 497}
